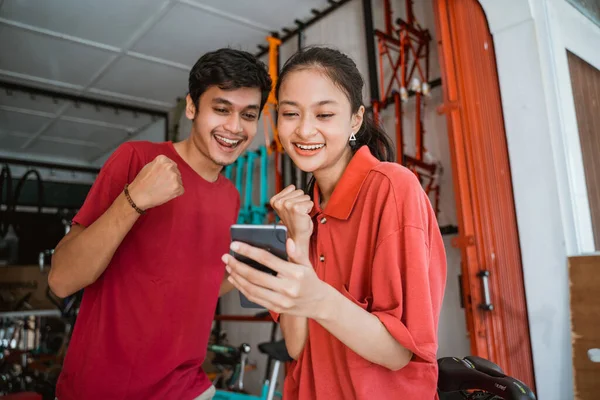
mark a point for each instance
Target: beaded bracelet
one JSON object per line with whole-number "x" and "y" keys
{"x": 126, "y": 190}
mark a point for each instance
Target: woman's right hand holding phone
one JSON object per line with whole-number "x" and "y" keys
{"x": 293, "y": 207}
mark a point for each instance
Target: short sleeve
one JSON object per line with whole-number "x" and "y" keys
{"x": 108, "y": 185}
{"x": 408, "y": 280}
{"x": 274, "y": 315}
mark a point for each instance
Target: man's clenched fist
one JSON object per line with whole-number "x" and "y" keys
{"x": 158, "y": 182}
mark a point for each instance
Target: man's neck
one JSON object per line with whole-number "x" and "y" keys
{"x": 203, "y": 166}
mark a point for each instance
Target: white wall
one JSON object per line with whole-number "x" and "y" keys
{"x": 154, "y": 132}
{"x": 531, "y": 39}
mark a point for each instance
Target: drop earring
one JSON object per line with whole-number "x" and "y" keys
{"x": 352, "y": 140}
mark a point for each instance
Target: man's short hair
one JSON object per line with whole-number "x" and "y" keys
{"x": 229, "y": 69}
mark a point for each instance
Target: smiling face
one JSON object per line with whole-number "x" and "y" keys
{"x": 225, "y": 122}
{"x": 315, "y": 121}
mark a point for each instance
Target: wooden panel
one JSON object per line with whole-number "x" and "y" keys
{"x": 585, "y": 80}
{"x": 18, "y": 281}
{"x": 584, "y": 277}
{"x": 483, "y": 188}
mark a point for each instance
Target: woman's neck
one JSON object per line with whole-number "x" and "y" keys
{"x": 328, "y": 178}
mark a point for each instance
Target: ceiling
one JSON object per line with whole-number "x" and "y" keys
{"x": 134, "y": 52}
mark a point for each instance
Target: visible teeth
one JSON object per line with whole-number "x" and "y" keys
{"x": 310, "y": 147}
{"x": 229, "y": 141}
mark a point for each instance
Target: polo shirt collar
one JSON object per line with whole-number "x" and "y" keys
{"x": 347, "y": 189}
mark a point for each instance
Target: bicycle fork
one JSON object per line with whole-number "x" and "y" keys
{"x": 273, "y": 381}
{"x": 244, "y": 349}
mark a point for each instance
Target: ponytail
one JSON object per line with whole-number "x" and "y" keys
{"x": 369, "y": 135}
{"x": 376, "y": 139}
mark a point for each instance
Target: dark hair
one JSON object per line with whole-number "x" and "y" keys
{"x": 343, "y": 72}
{"x": 229, "y": 69}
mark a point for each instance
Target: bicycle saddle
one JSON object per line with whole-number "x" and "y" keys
{"x": 275, "y": 350}
{"x": 486, "y": 366}
{"x": 477, "y": 373}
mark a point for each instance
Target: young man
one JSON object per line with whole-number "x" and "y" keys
{"x": 147, "y": 246}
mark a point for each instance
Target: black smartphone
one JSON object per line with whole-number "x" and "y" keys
{"x": 271, "y": 238}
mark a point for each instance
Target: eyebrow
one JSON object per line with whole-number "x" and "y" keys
{"x": 320, "y": 103}
{"x": 221, "y": 100}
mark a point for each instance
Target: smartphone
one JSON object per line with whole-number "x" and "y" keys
{"x": 271, "y": 238}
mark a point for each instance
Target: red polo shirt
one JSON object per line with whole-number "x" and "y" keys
{"x": 378, "y": 242}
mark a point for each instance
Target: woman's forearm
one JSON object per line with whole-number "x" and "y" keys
{"x": 362, "y": 332}
{"x": 295, "y": 333}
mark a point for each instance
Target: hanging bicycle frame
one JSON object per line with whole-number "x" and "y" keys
{"x": 273, "y": 145}
{"x": 405, "y": 49}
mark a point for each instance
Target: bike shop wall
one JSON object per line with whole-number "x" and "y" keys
{"x": 64, "y": 189}
{"x": 153, "y": 133}
{"x": 344, "y": 30}
{"x": 531, "y": 40}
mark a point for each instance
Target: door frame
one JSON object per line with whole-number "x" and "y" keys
{"x": 492, "y": 272}
{"x": 551, "y": 201}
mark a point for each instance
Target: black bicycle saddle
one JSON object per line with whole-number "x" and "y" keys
{"x": 474, "y": 373}
{"x": 486, "y": 366}
{"x": 275, "y": 350}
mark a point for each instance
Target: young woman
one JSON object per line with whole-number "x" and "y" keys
{"x": 359, "y": 300}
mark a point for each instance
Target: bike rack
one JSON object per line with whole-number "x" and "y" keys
{"x": 270, "y": 113}
{"x": 405, "y": 48}
{"x": 428, "y": 175}
{"x": 259, "y": 213}
{"x": 250, "y": 213}
{"x": 250, "y": 156}
{"x": 239, "y": 173}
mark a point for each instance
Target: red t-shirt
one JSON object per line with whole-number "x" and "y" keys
{"x": 378, "y": 243}
{"x": 143, "y": 326}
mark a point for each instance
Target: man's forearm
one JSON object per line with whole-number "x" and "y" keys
{"x": 80, "y": 259}
{"x": 362, "y": 332}
{"x": 295, "y": 333}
